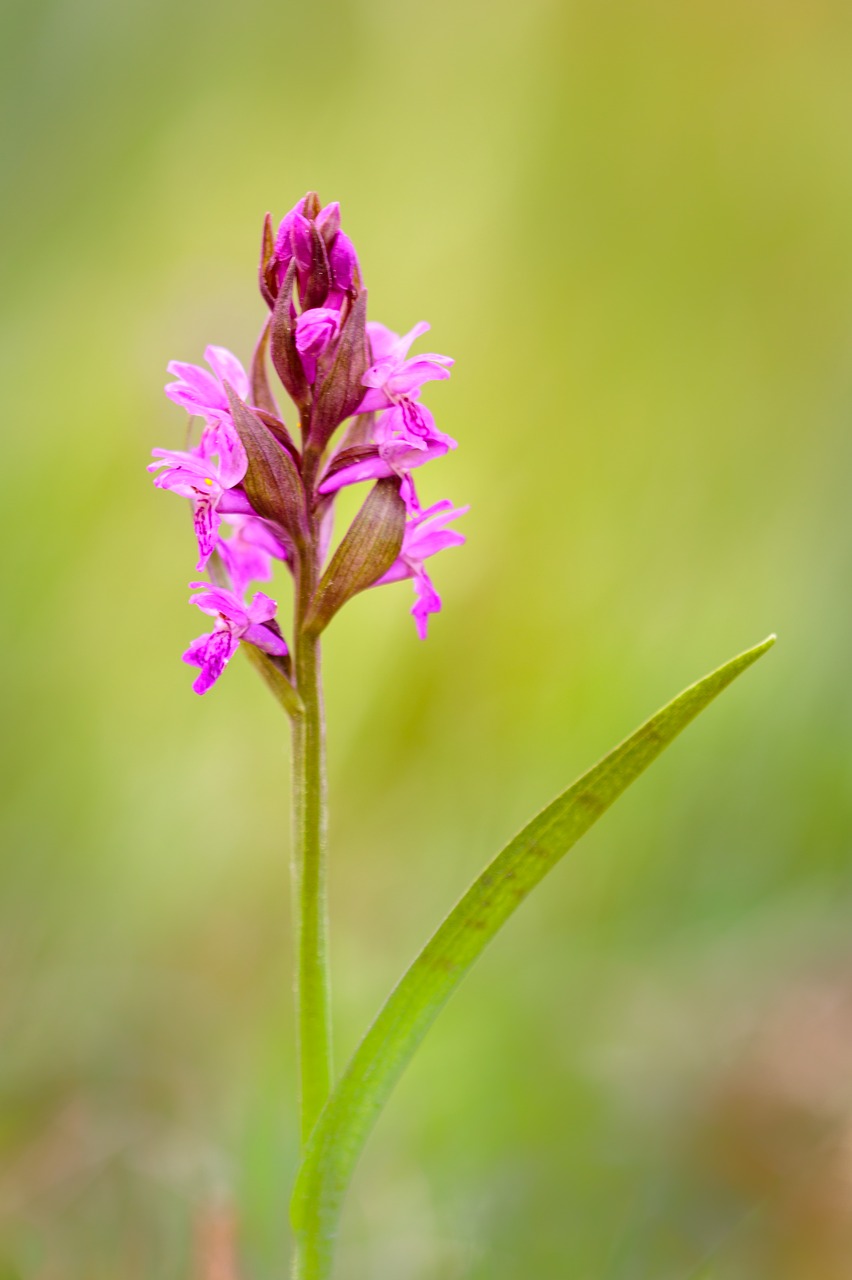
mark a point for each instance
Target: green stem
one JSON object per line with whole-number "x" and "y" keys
{"x": 312, "y": 986}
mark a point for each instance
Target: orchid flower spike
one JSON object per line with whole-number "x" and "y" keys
{"x": 235, "y": 621}
{"x": 259, "y": 496}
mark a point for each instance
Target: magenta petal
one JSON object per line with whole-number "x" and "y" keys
{"x": 233, "y": 460}
{"x": 247, "y": 554}
{"x": 228, "y": 368}
{"x": 266, "y": 640}
{"x": 399, "y": 569}
{"x": 194, "y": 655}
{"x": 262, "y": 608}
{"x": 410, "y": 376}
{"x": 212, "y": 654}
{"x": 409, "y": 421}
{"x": 219, "y": 600}
{"x": 206, "y": 521}
{"x": 302, "y": 244}
{"x": 403, "y": 456}
{"x": 382, "y": 340}
{"x": 426, "y": 601}
{"x": 402, "y": 345}
{"x": 284, "y": 238}
{"x": 374, "y": 399}
{"x": 378, "y": 373}
{"x": 196, "y": 383}
{"x": 328, "y": 219}
{"x": 369, "y": 469}
{"x": 343, "y": 261}
{"x": 234, "y": 502}
{"x": 315, "y": 329}
{"x": 408, "y": 493}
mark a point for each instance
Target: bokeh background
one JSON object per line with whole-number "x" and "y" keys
{"x": 630, "y": 221}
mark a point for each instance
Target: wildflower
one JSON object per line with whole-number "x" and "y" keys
{"x": 235, "y": 621}
{"x": 197, "y": 475}
{"x": 404, "y": 435}
{"x": 315, "y": 330}
{"x": 203, "y": 395}
{"x": 248, "y": 553}
{"x": 396, "y": 375}
{"x": 258, "y": 497}
{"x": 425, "y": 535}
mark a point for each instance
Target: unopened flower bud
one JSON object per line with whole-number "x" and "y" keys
{"x": 315, "y": 330}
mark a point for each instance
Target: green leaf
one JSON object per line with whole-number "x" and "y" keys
{"x": 367, "y": 550}
{"x": 412, "y": 1007}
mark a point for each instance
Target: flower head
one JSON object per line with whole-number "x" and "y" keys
{"x": 258, "y": 495}
{"x": 235, "y": 621}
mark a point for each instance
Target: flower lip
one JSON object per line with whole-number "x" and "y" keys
{"x": 235, "y": 620}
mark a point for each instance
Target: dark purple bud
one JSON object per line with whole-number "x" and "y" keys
{"x": 267, "y": 272}
{"x": 272, "y": 483}
{"x": 318, "y": 277}
{"x": 311, "y": 206}
{"x": 261, "y": 392}
{"x": 343, "y": 261}
{"x": 339, "y": 389}
{"x": 285, "y": 357}
{"x": 369, "y": 548}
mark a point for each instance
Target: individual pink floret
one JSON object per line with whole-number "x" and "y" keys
{"x": 425, "y": 535}
{"x": 198, "y": 475}
{"x": 315, "y": 329}
{"x": 203, "y": 395}
{"x": 395, "y": 375}
{"x": 235, "y": 621}
{"x": 404, "y": 435}
{"x": 248, "y": 553}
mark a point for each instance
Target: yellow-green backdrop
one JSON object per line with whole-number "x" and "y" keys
{"x": 630, "y": 221}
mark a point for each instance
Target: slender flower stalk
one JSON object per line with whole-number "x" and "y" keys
{"x": 309, "y": 864}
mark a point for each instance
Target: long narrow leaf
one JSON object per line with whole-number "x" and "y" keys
{"x": 414, "y": 1004}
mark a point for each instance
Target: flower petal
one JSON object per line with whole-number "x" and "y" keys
{"x": 369, "y": 469}
{"x": 211, "y": 653}
{"x": 262, "y": 608}
{"x": 267, "y": 640}
{"x": 426, "y": 601}
{"x": 228, "y": 368}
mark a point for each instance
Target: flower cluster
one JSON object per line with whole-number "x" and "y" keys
{"x": 261, "y": 494}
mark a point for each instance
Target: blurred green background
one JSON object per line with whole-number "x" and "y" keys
{"x": 630, "y": 221}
